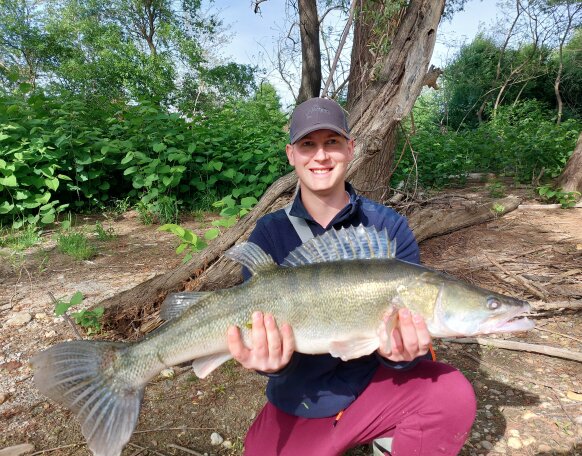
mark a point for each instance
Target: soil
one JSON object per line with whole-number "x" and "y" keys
{"x": 528, "y": 404}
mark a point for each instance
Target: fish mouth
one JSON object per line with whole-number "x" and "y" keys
{"x": 513, "y": 324}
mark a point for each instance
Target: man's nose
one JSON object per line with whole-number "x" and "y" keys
{"x": 320, "y": 153}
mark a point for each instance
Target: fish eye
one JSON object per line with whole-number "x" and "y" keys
{"x": 493, "y": 303}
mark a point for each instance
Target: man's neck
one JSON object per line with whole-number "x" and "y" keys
{"x": 323, "y": 208}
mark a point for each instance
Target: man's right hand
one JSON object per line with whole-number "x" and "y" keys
{"x": 272, "y": 347}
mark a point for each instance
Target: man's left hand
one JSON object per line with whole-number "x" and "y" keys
{"x": 409, "y": 339}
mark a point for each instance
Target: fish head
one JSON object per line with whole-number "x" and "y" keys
{"x": 462, "y": 309}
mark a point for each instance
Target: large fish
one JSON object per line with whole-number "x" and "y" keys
{"x": 334, "y": 290}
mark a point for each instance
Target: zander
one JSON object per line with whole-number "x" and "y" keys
{"x": 334, "y": 291}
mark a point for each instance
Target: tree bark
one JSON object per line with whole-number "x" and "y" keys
{"x": 310, "y": 51}
{"x": 373, "y": 119}
{"x": 571, "y": 178}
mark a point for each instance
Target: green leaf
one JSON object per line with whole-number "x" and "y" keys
{"x": 6, "y": 207}
{"x": 212, "y": 233}
{"x": 48, "y": 218}
{"x": 248, "y": 202}
{"x": 52, "y": 183}
{"x": 98, "y": 311}
{"x": 77, "y": 298}
{"x": 130, "y": 170}
{"x": 3, "y": 136}
{"x": 181, "y": 248}
{"x": 9, "y": 181}
{"x": 61, "y": 308}
{"x": 128, "y": 157}
{"x": 158, "y": 147}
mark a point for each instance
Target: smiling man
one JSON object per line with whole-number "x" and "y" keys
{"x": 321, "y": 405}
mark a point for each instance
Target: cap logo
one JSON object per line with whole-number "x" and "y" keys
{"x": 314, "y": 109}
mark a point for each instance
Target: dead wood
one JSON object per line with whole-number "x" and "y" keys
{"x": 569, "y": 305}
{"x": 431, "y": 222}
{"x": 373, "y": 118}
{"x": 521, "y": 346}
{"x": 536, "y": 291}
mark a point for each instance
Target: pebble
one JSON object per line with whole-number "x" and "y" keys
{"x": 514, "y": 442}
{"x": 528, "y": 440}
{"x": 3, "y": 397}
{"x": 529, "y": 415}
{"x": 50, "y": 334}
{"x": 543, "y": 448}
{"x": 216, "y": 439}
{"x": 19, "y": 319}
{"x": 40, "y": 316}
{"x": 167, "y": 373}
{"x": 227, "y": 444}
{"x": 486, "y": 444}
{"x": 17, "y": 450}
{"x": 514, "y": 432}
{"x": 578, "y": 420}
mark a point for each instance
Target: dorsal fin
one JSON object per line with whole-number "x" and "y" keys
{"x": 353, "y": 243}
{"x": 176, "y": 303}
{"x": 251, "y": 256}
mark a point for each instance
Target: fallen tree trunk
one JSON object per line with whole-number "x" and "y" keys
{"x": 373, "y": 118}
{"x": 430, "y": 222}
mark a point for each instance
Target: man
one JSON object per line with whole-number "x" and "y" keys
{"x": 320, "y": 405}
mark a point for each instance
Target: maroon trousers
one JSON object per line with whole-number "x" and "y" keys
{"x": 428, "y": 410}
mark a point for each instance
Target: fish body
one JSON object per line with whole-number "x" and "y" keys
{"x": 334, "y": 291}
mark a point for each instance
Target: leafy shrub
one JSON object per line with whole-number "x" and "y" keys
{"x": 58, "y": 153}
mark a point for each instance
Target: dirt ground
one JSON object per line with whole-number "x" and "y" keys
{"x": 528, "y": 404}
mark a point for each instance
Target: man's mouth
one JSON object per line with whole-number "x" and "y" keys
{"x": 321, "y": 170}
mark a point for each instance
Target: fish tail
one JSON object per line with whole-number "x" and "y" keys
{"x": 84, "y": 376}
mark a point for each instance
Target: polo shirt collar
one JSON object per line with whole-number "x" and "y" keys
{"x": 298, "y": 209}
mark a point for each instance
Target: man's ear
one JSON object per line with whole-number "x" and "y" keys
{"x": 289, "y": 152}
{"x": 351, "y": 148}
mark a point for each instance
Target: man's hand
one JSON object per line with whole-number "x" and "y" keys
{"x": 410, "y": 338}
{"x": 272, "y": 347}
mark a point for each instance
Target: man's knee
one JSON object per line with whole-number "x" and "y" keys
{"x": 455, "y": 397}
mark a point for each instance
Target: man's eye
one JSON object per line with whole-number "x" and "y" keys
{"x": 332, "y": 141}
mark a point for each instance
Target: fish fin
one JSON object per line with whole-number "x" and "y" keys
{"x": 176, "y": 304}
{"x": 353, "y": 243}
{"x": 80, "y": 376}
{"x": 251, "y": 256}
{"x": 206, "y": 364}
{"x": 353, "y": 348}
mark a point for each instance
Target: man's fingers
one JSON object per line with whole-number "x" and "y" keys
{"x": 288, "y": 343}
{"x": 273, "y": 338}
{"x": 397, "y": 345}
{"x": 236, "y": 346}
{"x": 424, "y": 339}
{"x": 259, "y": 336}
{"x": 408, "y": 332}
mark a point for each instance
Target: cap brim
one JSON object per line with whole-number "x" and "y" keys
{"x": 313, "y": 128}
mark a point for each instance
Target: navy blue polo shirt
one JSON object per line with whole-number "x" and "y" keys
{"x": 317, "y": 386}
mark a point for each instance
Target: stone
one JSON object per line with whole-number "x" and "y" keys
{"x": 527, "y": 440}
{"x": 227, "y": 444}
{"x": 514, "y": 432}
{"x": 543, "y": 448}
{"x": 3, "y": 397}
{"x": 167, "y": 373}
{"x": 529, "y": 415}
{"x": 40, "y": 316}
{"x": 50, "y": 334}
{"x": 18, "y": 319}
{"x": 514, "y": 442}
{"x": 216, "y": 439}
{"x": 486, "y": 444}
{"x": 17, "y": 450}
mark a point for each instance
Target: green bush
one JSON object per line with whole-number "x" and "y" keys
{"x": 520, "y": 142}
{"x": 58, "y": 153}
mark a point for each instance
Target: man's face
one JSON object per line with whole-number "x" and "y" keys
{"x": 321, "y": 161}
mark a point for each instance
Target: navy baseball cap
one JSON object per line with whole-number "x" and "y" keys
{"x": 317, "y": 114}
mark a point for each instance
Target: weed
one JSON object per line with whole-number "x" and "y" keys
{"x": 565, "y": 199}
{"x": 167, "y": 209}
{"x": 21, "y": 239}
{"x": 88, "y": 319}
{"x": 496, "y": 189}
{"x": 104, "y": 234}
{"x": 76, "y": 244}
{"x": 145, "y": 213}
{"x": 497, "y": 209}
{"x": 121, "y": 206}
{"x": 189, "y": 241}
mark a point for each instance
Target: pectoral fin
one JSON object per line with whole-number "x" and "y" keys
{"x": 353, "y": 348}
{"x": 205, "y": 365}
